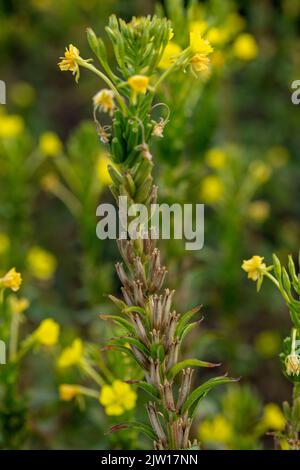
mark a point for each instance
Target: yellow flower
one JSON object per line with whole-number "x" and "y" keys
{"x": 267, "y": 343}
{"x": 50, "y": 144}
{"x": 259, "y": 210}
{"x": 260, "y": 171}
{"x": 104, "y": 100}
{"x": 216, "y": 158}
{"x": 245, "y": 47}
{"x": 171, "y": 51}
{"x": 199, "y": 45}
{"x": 11, "y": 126}
{"x": 201, "y": 49}
{"x": 234, "y": 23}
{"x": 68, "y": 391}
{"x": 292, "y": 364}
{"x": 216, "y": 430}
{"x": 4, "y": 243}
{"x": 199, "y": 27}
{"x": 216, "y": 36}
{"x": 117, "y": 398}
{"x": 171, "y": 34}
{"x": 254, "y": 267}
{"x": 18, "y": 306}
{"x": 102, "y": 170}
{"x": 41, "y": 263}
{"x": 138, "y": 83}
{"x": 11, "y": 280}
{"x": 212, "y": 189}
{"x": 273, "y": 417}
{"x": 70, "y": 61}
{"x": 71, "y": 355}
{"x": 200, "y": 63}
{"x": 47, "y": 332}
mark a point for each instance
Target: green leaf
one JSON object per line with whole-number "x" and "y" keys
{"x": 150, "y": 389}
{"x": 185, "y": 318}
{"x": 134, "y": 309}
{"x": 189, "y": 363}
{"x": 186, "y": 329}
{"x": 140, "y": 427}
{"x": 119, "y": 321}
{"x": 133, "y": 341}
{"x": 195, "y": 397}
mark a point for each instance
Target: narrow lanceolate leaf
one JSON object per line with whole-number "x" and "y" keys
{"x": 185, "y": 318}
{"x": 134, "y": 309}
{"x": 123, "y": 349}
{"x": 140, "y": 427}
{"x": 119, "y": 321}
{"x": 189, "y": 363}
{"x": 186, "y": 329}
{"x": 195, "y": 397}
{"x": 150, "y": 389}
{"x": 129, "y": 340}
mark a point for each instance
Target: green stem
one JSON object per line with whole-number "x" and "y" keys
{"x": 88, "y": 369}
{"x": 14, "y": 335}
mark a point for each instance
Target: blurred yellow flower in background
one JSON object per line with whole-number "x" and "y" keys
{"x": 260, "y": 171}
{"x": 212, "y": 189}
{"x": 234, "y": 23}
{"x": 199, "y": 27}
{"x": 11, "y": 125}
{"x": 18, "y": 305}
{"x": 217, "y": 429}
{"x": 71, "y": 355}
{"x": 117, "y": 398}
{"x": 68, "y": 391}
{"x": 102, "y": 169}
{"x": 11, "y": 280}
{"x": 138, "y": 83}
{"x": 267, "y": 343}
{"x": 4, "y": 243}
{"x": 258, "y": 211}
{"x": 171, "y": 51}
{"x": 273, "y": 418}
{"x": 41, "y": 263}
{"x": 254, "y": 267}
{"x": 216, "y": 158}
{"x": 50, "y": 144}
{"x": 47, "y": 332}
{"x": 245, "y": 47}
{"x": 216, "y": 36}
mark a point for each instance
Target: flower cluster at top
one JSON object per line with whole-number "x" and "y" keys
{"x": 141, "y": 46}
{"x": 145, "y": 58}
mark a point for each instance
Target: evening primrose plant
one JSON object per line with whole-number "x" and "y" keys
{"x": 14, "y": 407}
{"x": 152, "y": 328}
{"x": 287, "y": 281}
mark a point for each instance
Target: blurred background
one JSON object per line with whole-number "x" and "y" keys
{"x": 232, "y": 142}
